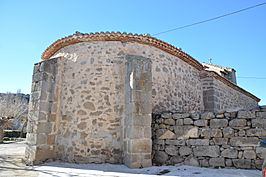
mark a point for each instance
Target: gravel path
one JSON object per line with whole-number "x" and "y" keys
{"x": 11, "y": 166}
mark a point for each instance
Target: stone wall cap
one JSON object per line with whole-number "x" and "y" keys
{"x": 123, "y": 37}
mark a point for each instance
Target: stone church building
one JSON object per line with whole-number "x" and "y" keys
{"x": 93, "y": 96}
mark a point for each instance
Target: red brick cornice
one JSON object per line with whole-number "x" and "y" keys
{"x": 117, "y": 36}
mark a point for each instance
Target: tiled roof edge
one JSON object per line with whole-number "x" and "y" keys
{"x": 124, "y": 37}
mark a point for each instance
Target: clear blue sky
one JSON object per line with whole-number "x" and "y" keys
{"x": 238, "y": 41}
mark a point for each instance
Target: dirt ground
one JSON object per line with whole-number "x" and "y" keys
{"x": 11, "y": 166}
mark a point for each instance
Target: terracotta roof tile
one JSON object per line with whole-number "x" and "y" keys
{"x": 118, "y": 36}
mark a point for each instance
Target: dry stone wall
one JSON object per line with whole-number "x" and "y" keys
{"x": 225, "y": 139}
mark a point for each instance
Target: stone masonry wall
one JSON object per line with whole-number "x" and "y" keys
{"x": 176, "y": 85}
{"x": 225, "y": 139}
{"x": 217, "y": 96}
{"x": 42, "y": 125}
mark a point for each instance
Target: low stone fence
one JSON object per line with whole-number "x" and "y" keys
{"x": 226, "y": 139}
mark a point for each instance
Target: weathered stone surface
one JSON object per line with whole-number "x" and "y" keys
{"x": 169, "y": 121}
{"x": 188, "y": 121}
{"x": 166, "y": 115}
{"x": 228, "y": 162}
{"x": 256, "y": 132}
{"x": 201, "y": 123}
{"x": 178, "y": 142}
{"x": 242, "y": 163}
{"x": 197, "y": 142}
{"x": 207, "y": 115}
{"x": 261, "y": 114}
{"x": 218, "y": 123}
{"x": 216, "y": 133}
{"x": 195, "y": 116}
{"x": 180, "y": 115}
{"x": 204, "y": 163}
{"x": 205, "y": 132}
{"x": 244, "y": 141}
{"x": 258, "y": 122}
{"x": 160, "y": 157}
{"x": 220, "y": 115}
{"x": 209, "y": 151}
{"x": 261, "y": 152}
{"x": 249, "y": 154}
{"x": 246, "y": 114}
{"x": 190, "y": 160}
{"x": 179, "y": 122}
{"x": 176, "y": 159}
{"x": 168, "y": 135}
{"x": 228, "y": 132}
{"x": 186, "y": 131}
{"x": 229, "y": 153}
{"x": 217, "y": 162}
{"x": 171, "y": 150}
{"x": 184, "y": 150}
{"x": 220, "y": 141}
{"x": 238, "y": 123}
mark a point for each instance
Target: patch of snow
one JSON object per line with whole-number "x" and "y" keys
{"x": 61, "y": 169}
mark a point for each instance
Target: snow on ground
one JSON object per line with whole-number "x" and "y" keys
{"x": 12, "y": 166}
{"x": 60, "y": 169}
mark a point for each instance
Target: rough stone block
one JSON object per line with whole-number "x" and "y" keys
{"x": 186, "y": 132}
{"x": 140, "y": 146}
{"x": 229, "y": 153}
{"x": 238, "y": 123}
{"x": 178, "y": 142}
{"x": 228, "y": 132}
{"x": 197, "y": 142}
{"x": 41, "y": 138}
{"x": 43, "y": 153}
{"x": 179, "y": 122}
{"x": 205, "y": 132}
{"x": 160, "y": 157}
{"x": 190, "y": 160}
{"x": 258, "y": 122}
{"x": 188, "y": 121}
{"x": 242, "y": 163}
{"x": 207, "y": 115}
{"x": 204, "y": 163}
{"x": 249, "y": 154}
{"x": 201, "y": 123}
{"x": 176, "y": 159}
{"x": 220, "y": 141}
{"x": 169, "y": 121}
{"x": 261, "y": 152}
{"x": 184, "y": 150}
{"x": 256, "y": 132}
{"x": 207, "y": 151}
{"x": 44, "y": 127}
{"x": 258, "y": 164}
{"x": 217, "y": 162}
{"x": 244, "y": 141}
{"x": 171, "y": 150}
{"x": 216, "y": 133}
{"x": 261, "y": 114}
{"x": 218, "y": 123}
{"x": 166, "y": 115}
{"x": 195, "y": 115}
{"x": 180, "y": 115}
{"x": 168, "y": 135}
{"x": 246, "y": 114}
{"x": 228, "y": 162}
